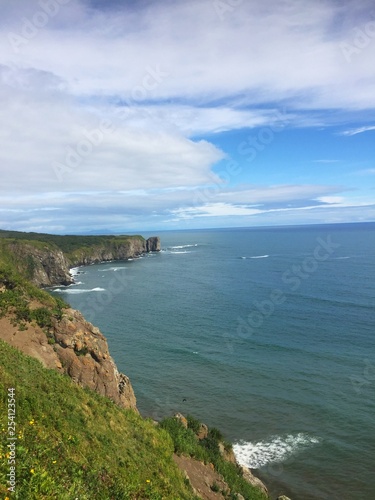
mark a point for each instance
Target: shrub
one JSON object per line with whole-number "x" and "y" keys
{"x": 193, "y": 424}
{"x": 43, "y": 317}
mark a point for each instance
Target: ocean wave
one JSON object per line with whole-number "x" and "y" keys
{"x": 184, "y": 246}
{"x": 112, "y": 269}
{"x": 341, "y": 258}
{"x": 74, "y": 271}
{"x": 82, "y": 290}
{"x": 278, "y": 449}
{"x": 256, "y": 257}
{"x": 180, "y": 253}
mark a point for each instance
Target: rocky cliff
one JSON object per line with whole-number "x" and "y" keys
{"x": 82, "y": 351}
{"x": 46, "y": 264}
{"x": 70, "y": 345}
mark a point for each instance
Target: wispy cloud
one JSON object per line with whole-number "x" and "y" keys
{"x": 359, "y": 130}
{"x": 366, "y": 171}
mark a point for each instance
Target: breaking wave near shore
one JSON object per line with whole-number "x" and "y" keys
{"x": 278, "y": 449}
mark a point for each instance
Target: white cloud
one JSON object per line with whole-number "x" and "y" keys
{"x": 358, "y": 130}
{"x": 275, "y": 50}
{"x": 161, "y": 74}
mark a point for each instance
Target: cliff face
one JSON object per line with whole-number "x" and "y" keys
{"x": 83, "y": 353}
{"x": 46, "y": 264}
{"x": 75, "y": 347}
{"x": 153, "y": 244}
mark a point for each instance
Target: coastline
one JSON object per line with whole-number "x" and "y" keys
{"x": 255, "y": 477}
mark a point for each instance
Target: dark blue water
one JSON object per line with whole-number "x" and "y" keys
{"x": 267, "y": 334}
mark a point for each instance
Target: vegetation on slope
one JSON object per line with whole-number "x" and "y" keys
{"x": 16, "y": 296}
{"x": 73, "y": 443}
{"x": 207, "y": 450}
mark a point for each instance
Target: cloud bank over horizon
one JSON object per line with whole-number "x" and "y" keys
{"x": 127, "y": 116}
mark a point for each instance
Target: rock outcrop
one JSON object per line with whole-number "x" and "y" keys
{"x": 75, "y": 347}
{"x": 153, "y": 244}
{"x": 83, "y": 352}
{"x": 253, "y": 480}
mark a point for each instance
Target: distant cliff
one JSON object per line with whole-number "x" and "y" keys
{"x": 46, "y": 260}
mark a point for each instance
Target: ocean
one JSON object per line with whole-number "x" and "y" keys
{"x": 264, "y": 333}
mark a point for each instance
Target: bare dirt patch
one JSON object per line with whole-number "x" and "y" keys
{"x": 32, "y": 342}
{"x": 202, "y": 477}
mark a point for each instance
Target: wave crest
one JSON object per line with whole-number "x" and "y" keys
{"x": 278, "y": 449}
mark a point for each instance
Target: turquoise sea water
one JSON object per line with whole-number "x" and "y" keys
{"x": 267, "y": 334}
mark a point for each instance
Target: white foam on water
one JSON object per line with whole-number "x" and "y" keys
{"x": 278, "y": 449}
{"x": 256, "y": 257}
{"x": 180, "y": 253}
{"x": 341, "y": 258}
{"x": 184, "y": 246}
{"x": 82, "y": 290}
{"x": 112, "y": 269}
{"x": 74, "y": 271}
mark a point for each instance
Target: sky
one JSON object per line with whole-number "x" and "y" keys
{"x": 131, "y": 116}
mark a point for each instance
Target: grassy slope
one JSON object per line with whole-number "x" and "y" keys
{"x": 73, "y": 443}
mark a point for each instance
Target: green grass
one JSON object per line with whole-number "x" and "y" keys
{"x": 207, "y": 450}
{"x": 15, "y": 301}
{"x": 73, "y": 443}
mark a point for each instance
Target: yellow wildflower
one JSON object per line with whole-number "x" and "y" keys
{"x": 31, "y": 422}
{"x": 32, "y": 471}
{"x": 148, "y": 481}
{"x": 53, "y": 461}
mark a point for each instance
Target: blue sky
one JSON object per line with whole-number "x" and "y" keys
{"x": 141, "y": 116}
